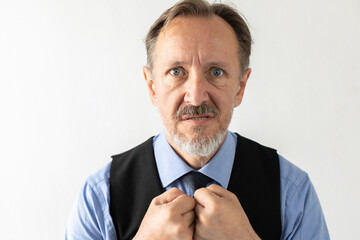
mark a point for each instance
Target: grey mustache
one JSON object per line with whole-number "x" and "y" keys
{"x": 196, "y": 110}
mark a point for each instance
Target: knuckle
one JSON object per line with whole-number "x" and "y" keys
{"x": 172, "y": 211}
{"x": 174, "y": 190}
{"x": 155, "y": 201}
{"x": 233, "y": 196}
{"x": 168, "y": 216}
{"x": 199, "y": 192}
{"x": 178, "y": 229}
{"x": 181, "y": 229}
{"x": 213, "y": 207}
{"x": 183, "y": 197}
{"x": 171, "y": 190}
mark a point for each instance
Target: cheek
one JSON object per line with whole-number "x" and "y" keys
{"x": 169, "y": 102}
{"x": 226, "y": 104}
{"x": 223, "y": 100}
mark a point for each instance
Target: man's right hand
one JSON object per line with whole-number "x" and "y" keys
{"x": 170, "y": 216}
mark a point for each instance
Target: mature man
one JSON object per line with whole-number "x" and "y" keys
{"x": 196, "y": 179}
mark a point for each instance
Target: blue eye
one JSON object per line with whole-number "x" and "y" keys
{"x": 176, "y": 71}
{"x": 217, "y": 72}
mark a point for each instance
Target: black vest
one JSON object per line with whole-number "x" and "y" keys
{"x": 255, "y": 179}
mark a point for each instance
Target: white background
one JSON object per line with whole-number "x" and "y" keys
{"x": 72, "y": 94}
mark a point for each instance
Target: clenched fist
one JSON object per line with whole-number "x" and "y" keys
{"x": 170, "y": 216}
{"x": 219, "y": 215}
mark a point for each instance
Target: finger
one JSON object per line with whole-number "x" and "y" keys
{"x": 189, "y": 218}
{"x": 191, "y": 231}
{"x": 220, "y": 191}
{"x": 168, "y": 196}
{"x": 198, "y": 229}
{"x": 183, "y": 204}
{"x": 198, "y": 210}
{"x": 205, "y": 196}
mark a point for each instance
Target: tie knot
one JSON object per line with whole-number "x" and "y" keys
{"x": 196, "y": 180}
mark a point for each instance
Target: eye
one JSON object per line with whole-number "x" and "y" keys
{"x": 176, "y": 71}
{"x": 217, "y": 72}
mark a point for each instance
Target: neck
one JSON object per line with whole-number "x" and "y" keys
{"x": 194, "y": 161}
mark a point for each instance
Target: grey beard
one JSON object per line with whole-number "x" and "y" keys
{"x": 203, "y": 146}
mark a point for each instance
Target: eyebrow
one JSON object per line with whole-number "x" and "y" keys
{"x": 219, "y": 64}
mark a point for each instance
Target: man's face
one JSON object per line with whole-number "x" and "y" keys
{"x": 196, "y": 63}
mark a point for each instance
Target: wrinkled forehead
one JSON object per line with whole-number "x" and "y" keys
{"x": 209, "y": 39}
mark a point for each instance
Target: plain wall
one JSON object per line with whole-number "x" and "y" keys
{"x": 72, "y": 94}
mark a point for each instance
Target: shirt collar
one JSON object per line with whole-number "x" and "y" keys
{"x": 171, "y": 166}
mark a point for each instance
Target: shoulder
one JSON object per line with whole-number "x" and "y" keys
{"x": 291, "y": 174}
{"x": 94, "y": 194}
{"x": 301, "y": 213}
{"x": 97, "y": 184}
{"x": 90, "y": 217}
{"x": 100, "y": 177}
{"x": 293, "y": 182}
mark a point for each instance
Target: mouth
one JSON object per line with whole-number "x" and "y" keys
{"x": 197, "y": 118}
{"x": 196, "y": 115}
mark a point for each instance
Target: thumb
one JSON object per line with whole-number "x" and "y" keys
{"x": 168, "y": 196}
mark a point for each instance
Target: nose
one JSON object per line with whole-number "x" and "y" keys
{"x": 196, "y": 89}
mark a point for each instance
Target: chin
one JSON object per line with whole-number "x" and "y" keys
{"x": 201, "y": 131}
{"x": 198, "y": 143}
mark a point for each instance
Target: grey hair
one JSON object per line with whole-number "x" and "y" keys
{"x": 202, "y": 8}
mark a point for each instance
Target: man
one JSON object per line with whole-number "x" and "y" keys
{"x": 196, "y": 179}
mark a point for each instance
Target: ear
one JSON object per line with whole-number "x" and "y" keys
{"x": 240, "y": 93}
{"x": 150, "y": 84}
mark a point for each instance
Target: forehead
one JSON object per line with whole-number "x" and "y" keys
{"x": 207, "y": 39}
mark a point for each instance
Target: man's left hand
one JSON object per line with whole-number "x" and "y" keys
{"x": 220, "y": 215}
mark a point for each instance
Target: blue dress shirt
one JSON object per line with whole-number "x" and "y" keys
{"x": 301, "y": 214}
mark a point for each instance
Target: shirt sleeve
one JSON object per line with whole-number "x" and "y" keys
{"x": 302, "y": 216}
{"x": 90, "y": 217}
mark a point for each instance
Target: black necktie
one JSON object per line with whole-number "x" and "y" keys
{"x": 196, "y": 180}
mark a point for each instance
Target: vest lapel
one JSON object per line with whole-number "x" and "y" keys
{"x": 134, "y": 182}
{"x": 255, "y": 180}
